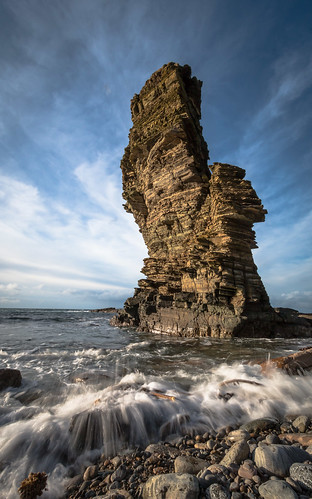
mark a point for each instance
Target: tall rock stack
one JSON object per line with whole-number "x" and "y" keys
{"x": 196, "y": 221}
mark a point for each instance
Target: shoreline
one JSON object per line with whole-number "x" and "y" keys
{"x": 256, "y": 459}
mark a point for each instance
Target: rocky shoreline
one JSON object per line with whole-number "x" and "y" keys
{"x": 264, "y": 458}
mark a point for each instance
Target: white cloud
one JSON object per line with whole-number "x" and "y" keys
{"x": 92, "y": 247}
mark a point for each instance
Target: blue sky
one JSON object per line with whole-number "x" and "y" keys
{"x": 68, "y": 71}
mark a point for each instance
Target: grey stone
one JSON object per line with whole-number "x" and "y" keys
{"x": 301, "y": 423}
{"x": 74, "y": 482}
{"x": 171, "y": 486}
{"x": 120, "y": 473}
{"x": 260, "y": 424}
{"x": 207, "y": 478}
{"x": 162, "y": 449}
{"x": 216, "y": 491}
{"x": 276, "y": 459}
{"x": 277, "y": 489}
{"x": 302, "y": 474}
{"x": 189, "y": 464}
{"x": 236, "y": 454}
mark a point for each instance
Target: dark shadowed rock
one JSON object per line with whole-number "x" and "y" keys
{"x": 10, "y": 378}
{"x": 260, "y": 424}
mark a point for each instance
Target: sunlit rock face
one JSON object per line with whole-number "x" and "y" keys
{"x": 196, "y": 221}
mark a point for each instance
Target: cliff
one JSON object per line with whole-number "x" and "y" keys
{"x": 196, "y": 221}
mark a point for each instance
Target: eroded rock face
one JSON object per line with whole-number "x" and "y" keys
{"x": 196, "y": 221}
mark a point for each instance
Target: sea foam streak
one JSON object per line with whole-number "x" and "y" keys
{"x": 133, "y": 412}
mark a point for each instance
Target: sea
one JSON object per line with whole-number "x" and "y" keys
{"x": 91, "y": 389}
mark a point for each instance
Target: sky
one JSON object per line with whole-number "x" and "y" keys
{"x": 69, "y": 69}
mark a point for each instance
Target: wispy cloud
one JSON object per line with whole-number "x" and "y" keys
{"x": 49, "y": 245}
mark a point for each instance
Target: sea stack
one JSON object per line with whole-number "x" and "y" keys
{"x": 196, "y": 220}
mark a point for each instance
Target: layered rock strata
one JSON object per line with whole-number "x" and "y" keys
{"x": 196, "y": 221}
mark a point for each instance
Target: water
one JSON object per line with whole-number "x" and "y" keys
{"x": 89, "y": 388}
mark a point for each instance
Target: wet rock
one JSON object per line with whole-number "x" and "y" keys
{"x": 189, "y": 464}
{"x": 302, "y": 474}
{"x": 162, "y": 449}
{"x": 171, "y": 486}
{"x": 261, "y": 424}
{"x": 301, "y": 423}
{"x": 276, "y": 459}
{"x": 10, "y": 378}
{"x": 119, "y": 474}
{"x": 74, "y": 482}
{"x": 237, "y": 435}
{"x": 236, "y": 454}
{"x": 90, "y": 472}
{"x": 277, "y": 489}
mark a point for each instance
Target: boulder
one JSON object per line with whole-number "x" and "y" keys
{"x": 10, "y": 378}
{"x": 171, "y": 486}
{"x": 260, "y": 424}
{"x": 189, "y": 464}
{"x": 302, "y": 474}
{"x": 236, "y": 454}
{"x": 276, "y": 459}
{"x": 277, "y": 489}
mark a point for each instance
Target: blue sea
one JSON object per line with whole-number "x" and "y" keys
{"x": 89, "y": 389}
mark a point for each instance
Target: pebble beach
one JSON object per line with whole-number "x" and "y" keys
{"x": 264, "y": 458}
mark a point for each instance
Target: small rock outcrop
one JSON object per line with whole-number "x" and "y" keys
{"x": 196, "y": 221}
{"x": 10, "y": 378}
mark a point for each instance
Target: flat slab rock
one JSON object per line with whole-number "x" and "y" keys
{"x": 171, "y": 486}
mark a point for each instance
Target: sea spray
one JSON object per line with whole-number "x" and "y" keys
{"x": 132, "y": 414}
{"x": 89, "y": 388}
